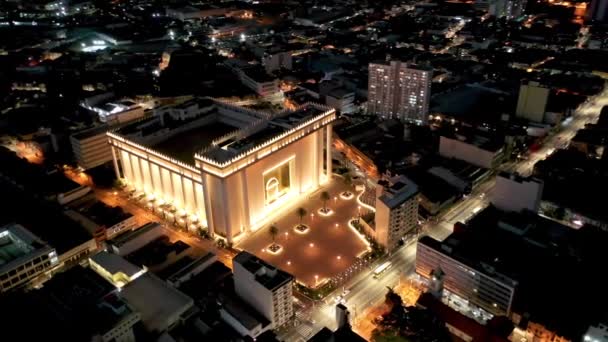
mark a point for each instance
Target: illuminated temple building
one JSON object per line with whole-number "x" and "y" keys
{"x": 226, "y": 167}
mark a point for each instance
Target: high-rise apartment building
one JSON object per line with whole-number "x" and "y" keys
{"x": 267, "y": 289}
{"x": 502, "y": 8}
{"x": 397, "y": 90}
{"x": 532, "y": 101}
{"x": 396, "y": 211}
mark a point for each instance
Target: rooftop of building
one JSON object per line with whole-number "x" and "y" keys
{"x": 91, "y": 132}
{"x": 17, "y": 243}
{"x": 265, "y": 274}
{"x": 192, "y": 265}
{"x": 258, "y": 74}
{"x": 343, "y": 334}
{"x": 98, "y": 212}
{"x": 477, "y": 331}
{"x": 263, "y": 132}
{"x": 397, "y": 191}
{"x": 125, "y": 237}
{"x": 524, "y": 250}
{"x": 114, "y": 264}
{"x": 64, "y": 308}
{"x": 482, "y": 140}
{"x": 242, "y": 312}
{"x": 143, "y": 294}
{"x": 19, "y": 206}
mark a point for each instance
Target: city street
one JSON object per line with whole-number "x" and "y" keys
{"x": 364, "y": 291}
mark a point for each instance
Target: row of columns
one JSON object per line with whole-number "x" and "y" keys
{"x": 140, "y": 173}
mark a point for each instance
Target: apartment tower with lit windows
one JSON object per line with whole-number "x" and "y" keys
{"x": 397, "y": 90}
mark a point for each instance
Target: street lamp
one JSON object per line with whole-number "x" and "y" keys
{"x": 316, "y": 280}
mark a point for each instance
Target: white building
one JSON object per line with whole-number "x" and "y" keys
{"x": 90, "y": 147}
{"x": 474, "y": 150}
{"x": 161, "y": 306}
{"x": 267, "y": 289}
{"x": 240, "y": 173}
{"x": 396, "y": 211}
{"x": 115, "y": 269}
{"x": 532, "y": 101}
{"x": 483, "y": 287}
{"x": 515, "y": 193}
{"x": 23, "y": 257}
{"x": 400, "y": 91}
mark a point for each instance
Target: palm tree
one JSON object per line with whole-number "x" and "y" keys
{"x": 301, "y": 213}
{"x": 325, "y": 197}
{"x": 274, "y": 231}
{"x": 348, "y": 179}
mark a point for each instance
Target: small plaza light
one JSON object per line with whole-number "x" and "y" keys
{"x": 288, "y": 262}
{"x": 311, "y": 244}
{"x": 339, "y": 257}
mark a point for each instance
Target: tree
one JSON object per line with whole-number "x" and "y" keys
{"x": 274, "y": 231}
{"x": 301, "y": 213}
{"x": 325, "y": 197}
{"x": 348, "y": 179}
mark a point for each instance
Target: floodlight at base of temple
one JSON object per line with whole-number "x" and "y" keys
{"x": 325, "y": 213}
{"x": 346, "y": 195}
{"x": 301, "y": 229}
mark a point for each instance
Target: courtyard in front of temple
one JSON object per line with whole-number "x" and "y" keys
{"x": 330, "y": 249}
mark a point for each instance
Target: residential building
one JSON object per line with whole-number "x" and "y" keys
{"x": 400, "y": 91}
{"x": 532, "y": 101}
{"x": 266, "y": 288}
{"x": 23, "y": 257}
{"x": 396, "y": 211}
{"x": 515, "y": 193}
{"x": 481, "y": 284}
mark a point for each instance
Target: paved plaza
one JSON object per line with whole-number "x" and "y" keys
{"x": 327, "y": 249}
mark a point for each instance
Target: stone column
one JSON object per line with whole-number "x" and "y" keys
{"x": 207, "y": 200}
{"x": 328, "y": 134}
{"x": 116, "y": 169}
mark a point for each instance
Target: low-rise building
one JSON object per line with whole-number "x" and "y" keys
{"x": 192, "y": 269}
{"x": 477, "y": 150}
{"x": 76, "y": 305}
{"x": 115, "y": 269}
{"x": 161, "y": 306}
{"x": 133, "y": 240}
{"x": 99, "y": 219}
{"x": 266, "y": 288}
{"x": 23, "y": 257}
{"x": 396, "y": 211}
{"x": 515, "y": 193}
